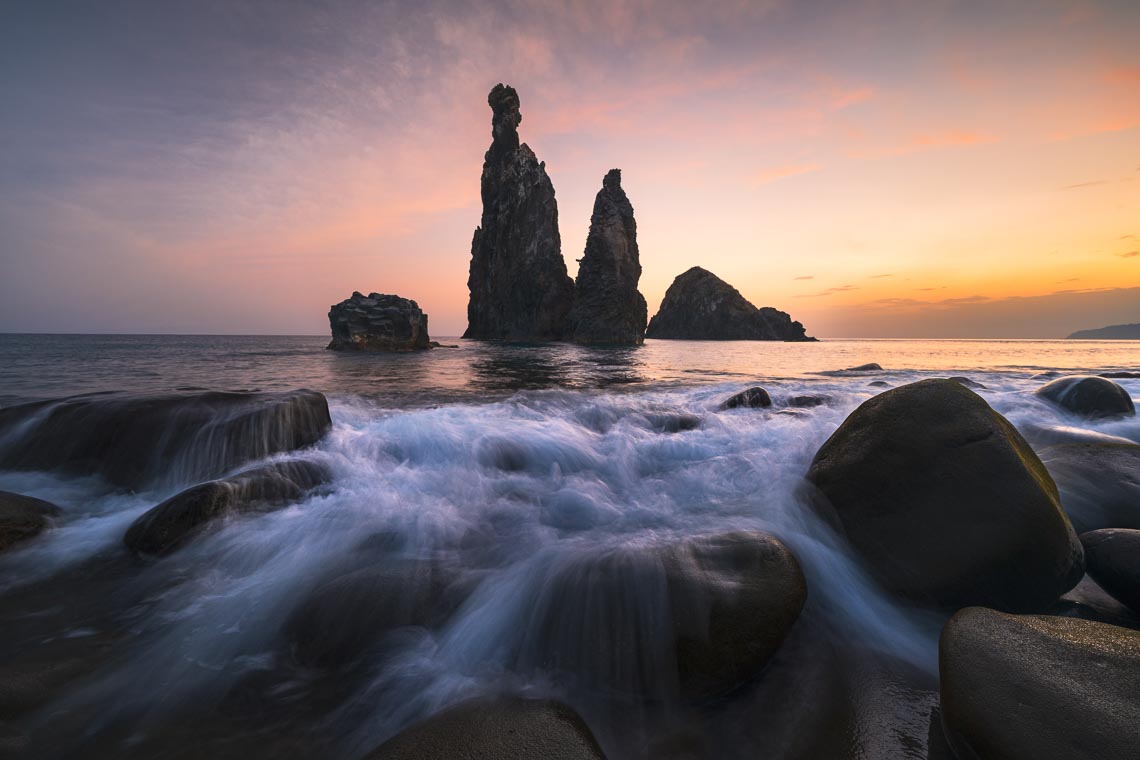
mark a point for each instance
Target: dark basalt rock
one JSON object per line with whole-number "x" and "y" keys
{"x": 698, "y": 617}
{"x": 345, "y": 617}
{"x": 608, "y": 309}
{"x": 134, "y": 441}
{"x": 495, "y": 728}
{"x": 1113, "y": 559}
{"x": 1099, "y": 483}
{"x": 518, "y": 282}
{"x": 871, "y": 367}
{"x": 23, "y": 517}
{"x": 753, "y": 398}
{"x": 701, "y": 306}
{"x": 807, "y": 402}
{"x": 1089, "y": 396}
{"x": 378, "y": 323}
{"x": 1028, "y": 687}
{"x": 973, "y": 384}
{"x": 164, "y": 528}
{"x": 912, "y": 474}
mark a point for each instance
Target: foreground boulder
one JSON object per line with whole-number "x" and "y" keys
{"x": 1099, "y": 483}
{"x": 698, "y": 617}
{"x": 701, "y": 306}
{"x": 1030, "y": 687}
{"x": 519, "y": 286}
{"x": 1113, "y": 560}
{"x": 164, "y": 528}
{"x": 1089, "y": 396}
{"x": 135, "y": 441}
{"x": 378, "y": 322}
{"x": 753, "y": 398}
{"x": 23, "y": 517}
{"x": 496, "y": 728}
{"x": 912, "y": 476}
{"x": 608, "y": 309}
{"x": 347, "y": 616}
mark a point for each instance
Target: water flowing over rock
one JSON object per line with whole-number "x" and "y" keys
{"x": 608, "y": 309}
{"x": 519, "y": 286}
{"x": 1099, "y": 482}
{"x": 1034, "y": 686}
{"x": 1113, "y": 557}
{"x": 136, "y": 441}
{"x": 1089, "y": 396}
{"x": 378, "y": 322}
{"x": 701, "y": 306}
{"x": 912, "y": 474}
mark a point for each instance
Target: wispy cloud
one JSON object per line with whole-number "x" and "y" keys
{"x": 775, "y": 173}
{"x": 1086, "y": 184}
{"x": 829, "y": 291}
{"x": 805, "y": 277}
{"x": 1129, "y": 254}
{"x": 880, "y": 276}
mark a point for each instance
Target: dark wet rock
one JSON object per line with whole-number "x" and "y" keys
{"x": 135, "y": 441}
{"x": 807, "y": 402}
{"x": 1089, "y": 601}
{"x": 1120, "y": 375}
{"x": 1089, "y": 396}
{"x": 165, "y": 527}
{"x": 1043, "y": 436}
{"x": 1035, "y": 686}
{"x": 701, "y": 306}
{"x": 1113, "y": 560}
{"x": 519, "y": 286}
{"x": 38, "y": 676}
{"x": 23, "y": 517}
{"x": 1099, "y": 483}
{"x": 912, "y": 474}
{"x": 671, "y": 422}
{"x": 698, "y": 617}
{"x": 879, "y": 384}
{"x": 378, "y": 322}
{"x": 871, "y": 367}
{"x": 973, "y": 384}
{"x": 495, "y": 728}
{"x": 752, "y": 398}
{"x": 349, "y": 615}
{"x": 608, "y": 309}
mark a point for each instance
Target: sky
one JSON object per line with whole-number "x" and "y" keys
{"x": 874, "y": 168}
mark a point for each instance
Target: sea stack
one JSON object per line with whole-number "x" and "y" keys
{"x": 701, "y": 306}
{"x": 378, "y": 322}
{"x": 519, "y": 286}
{"x": 608, "y": 309}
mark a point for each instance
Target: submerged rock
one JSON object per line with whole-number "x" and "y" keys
{"x": 165, "y": 527}
{"x": 912, "y": 474}
{"x": 23, "y": 517}
{"x": 519, "y": 286}
{"x": 608, "y": 309}
{"x": 134, "y": 441}
{"x": 1099, "y": 483}
{"x": 697, "y": 617}
{"x": 701, "y": 306}
{"x": 752, "y": 398}
{"x": 495, "y": 728}
{"x": 1035, "y": 686}
{"x": 870, "y": 367}
{"x": 1113, "y": 560}
{"x": 378, "y": 323}
{"x": 1089, "y": 396}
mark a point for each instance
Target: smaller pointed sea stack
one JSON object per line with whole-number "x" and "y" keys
{"x": 701, "y": 306}
{"x": 607, "y": 305}
{"x": 378, "y": 322}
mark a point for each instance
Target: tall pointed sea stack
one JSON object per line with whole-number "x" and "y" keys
{"x": 518, "y": 281}
{"x": 607, "y": 305}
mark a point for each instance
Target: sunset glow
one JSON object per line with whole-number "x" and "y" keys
{"x": 874, "y": 169}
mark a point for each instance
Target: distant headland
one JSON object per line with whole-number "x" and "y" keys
{"x": 1112, "y": 332}
{"x": 519, "y": 286}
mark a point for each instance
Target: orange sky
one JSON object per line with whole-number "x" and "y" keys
{"x": 872, "y": 168}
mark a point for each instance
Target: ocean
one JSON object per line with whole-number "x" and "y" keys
{"x": 595, "y": 466}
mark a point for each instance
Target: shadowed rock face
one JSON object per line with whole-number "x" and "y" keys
{"x": 1089, "y": 396}
{"x": 518, "y": 281}
{"x": 608, "y": 309}
{"x": 701, "y": 306}
{"x": 378, "y": 323}
{"x": 22, "y": 517}
{"x": 134, "y": 441}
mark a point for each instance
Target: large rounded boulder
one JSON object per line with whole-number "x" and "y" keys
{"x": 22, "y": 517}
{"x": 1113, "y": 560}
{"x": 946, "y": 502}
{"x": 1025, "y": 687}
{"x": 1088, "y": 396}
{"x": 1099, "y": 483}
{"x": 496, "y": 728}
